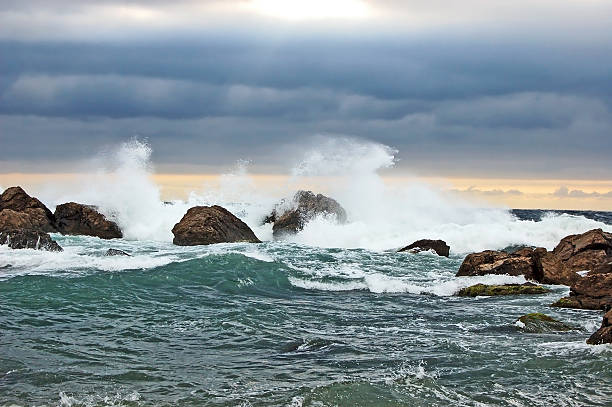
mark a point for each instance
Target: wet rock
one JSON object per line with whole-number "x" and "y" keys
{"x": 78, "y": 219}
{"x": 116, "y": 252}
{"x": 204, "y": 225}
{"x": 439, "y": 246}
{"x": 290, "y": 218}
{"x": 539, "y": 265}
{"x": 29, "y": 239}
{"x": 603, "y": 334}
{"x": 18, "y": 210}
{"x": 540, "y": 323}
{"x": 585, "y": 251}
{"x": 593, "y": 291}
{"x": 506, "y": 289}
{"x": 6, "y": 266}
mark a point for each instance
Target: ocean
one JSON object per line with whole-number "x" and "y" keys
{"x": 332, "y": 316}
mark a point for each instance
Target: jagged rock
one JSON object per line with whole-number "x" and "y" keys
{"x": 603, "y": 334}
{"x": 203, "y": 225}
{"x": 593, "y": 291}
{"x": 439, "y": 246}
{"x": 539, "y": 265}
{"x": 290, "y": 218}
{"x": 506, "y": 289}
{"x": 78, "y": 219}
{"x": 585, "y": 251}
{"x": 29, "y": 239}
{"x": 116, "y": 252}
{"x": 18, "y": 210}
{"x": 540, "y": 323}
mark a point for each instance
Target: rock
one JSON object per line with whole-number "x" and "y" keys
{"x": 116, "y": 252}
{"x": 78, "y": 219}
{"x": 593, "y": 291}
{"x": 6, "y": 266}
{"x": 18, "y": 210}
{"x": 506, "y": 289}
{"x": 203, "y": 225}
{"x": 603, "y": 334}
{"x": 305, "y": 205}
{"x": 29, "y": 239}
{"x": 540, "y": 323}
{"x": 585, "y": 251}
{"x": 439, "y": 246}
{"x": 539, "y": 265}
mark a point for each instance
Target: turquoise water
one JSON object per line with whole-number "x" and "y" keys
{"x": 278, "y": 324}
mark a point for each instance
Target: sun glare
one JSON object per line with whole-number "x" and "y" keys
{"x": 312, "y": 9}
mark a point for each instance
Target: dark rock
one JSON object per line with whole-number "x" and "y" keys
{"x": 78, "y": 219}
{"x": 506, "y": 289}
{"x": 203, "y": 225}
{"x": 18, "y": 210}
{"x": 29, "y": 239}
{"x": 439, "y": 246}
{"x": 540, "y": 323}
{"x": 594, "y": 291}
{"x": 6, "y": 266}
{"x": 603, "y": 334}
{"x": 539, "y": 265}
{"x": 585, "y": 251}
{"x": 116, "y": 252}
{"x": 290, "y": 218}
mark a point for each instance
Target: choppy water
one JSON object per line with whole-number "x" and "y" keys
{"x": 278, "y": 324}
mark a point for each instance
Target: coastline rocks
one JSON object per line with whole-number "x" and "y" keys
{"x": 204, "y": 225}
{"x": 603, "y": 334}
{"x": 439, "y": 246}
{"x": 116, "y": 252}
{"x": 305, "y": 205}
{"x": 539, "y": 265}
{"x": 584, "y": 251}
{"x": 593, "y": 291}
{"x": 29, "y": 239}
{"x": 540, "y": 323}
{"x": 506, "y": 289}
{"x": 18, "y": 210}
{"x": 78, "y": 219}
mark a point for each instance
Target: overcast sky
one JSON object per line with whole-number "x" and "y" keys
{"x": 473, "y": 88}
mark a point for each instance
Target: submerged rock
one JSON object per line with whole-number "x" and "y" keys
{"x": 29, "y": 239}
{"x": 204, "y": 225}
{"x": 18, "y": 210}
{"x": 116, "y": 252}
{"x": 290, "y": 218}
{"x": 603, "y": 334}
{"x": 540, "y": 323}
{"x": 593, "y": 291}
{"x": 585, "y": 251}
{"x": 539, "y": 265}
{"x": 438, "y": 246}
{"x": 78, "y": 219}
{"x": 506, "y": 289}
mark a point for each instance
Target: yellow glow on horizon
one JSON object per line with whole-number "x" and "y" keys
{"x": 312, "y": 9}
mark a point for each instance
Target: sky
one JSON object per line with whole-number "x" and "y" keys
{"x": 508, "y": 100}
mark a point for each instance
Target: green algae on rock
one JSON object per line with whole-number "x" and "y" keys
{"x": 507, "y": 289}
{"x": 537, "y": 322}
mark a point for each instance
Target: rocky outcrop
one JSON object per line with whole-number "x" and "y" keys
{"x": 116, "y": 252}
{"x": 593, "y": 291}
{"x": 18, "y": 210}
{"x": 29, "y": 239}
{"x": 603, "y": 334}
{"x": 78, "y": 219}
{"x": 506, "y": 289}
{"x": 204, "y": 225}
{"x": 539, "y": 265}
{"x": 540, "y": 323}
{"x": 438, "y": 246}
{"x": 585, "y": 251}
{"x": 290, "y": 217}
